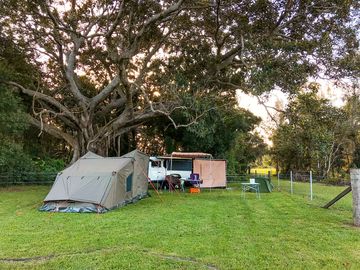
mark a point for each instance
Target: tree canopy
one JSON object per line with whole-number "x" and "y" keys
{"x": 104, "y": 68}
{"x": 214, "y": 133}
{"x": 315, "y": 135}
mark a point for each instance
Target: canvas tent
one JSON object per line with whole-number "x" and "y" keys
{"x": 98, "y": 184}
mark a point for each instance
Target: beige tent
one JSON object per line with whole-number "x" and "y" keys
{"x": 98, "y": 184}
{"x": 140, "y": 168}
{"x": 212, "y": 172}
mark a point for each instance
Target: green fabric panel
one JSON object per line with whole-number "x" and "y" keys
{"x": 265, "y": 184}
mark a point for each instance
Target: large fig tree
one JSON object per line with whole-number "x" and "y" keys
{"x": 109, "y": 66}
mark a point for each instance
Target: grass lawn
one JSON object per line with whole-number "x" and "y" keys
{"x": 264, "y": 171}
{"x": 210, "y": 230}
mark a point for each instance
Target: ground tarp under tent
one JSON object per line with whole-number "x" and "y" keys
{"x": 98, "y": 184}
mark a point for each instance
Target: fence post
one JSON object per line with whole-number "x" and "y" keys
{"x": 278, "y": 178}
{"x": 355, "y": 186}
{"x": 311, "y": 186}
{"x": 291, "y": 182}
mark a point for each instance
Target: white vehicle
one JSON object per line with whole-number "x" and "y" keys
{"x": 160, "y": 167}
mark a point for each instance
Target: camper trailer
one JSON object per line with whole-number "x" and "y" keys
{"x": 181, "y": 165}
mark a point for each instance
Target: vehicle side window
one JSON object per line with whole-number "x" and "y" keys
{"x": 179, "y": 165}
{"x": 155, "y": 163}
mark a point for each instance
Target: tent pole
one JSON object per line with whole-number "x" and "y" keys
{"x": 171, "y": 162}
{"x": 119, "y": 145}
{"x": 152, "y": 185}
{"x": 211, "y": 174}
{"x": 171, "y": 168}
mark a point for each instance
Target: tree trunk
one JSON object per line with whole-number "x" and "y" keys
{"x": 85, "y": 143}
{"x": 76, "y": 154}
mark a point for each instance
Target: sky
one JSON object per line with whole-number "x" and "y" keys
{"x": 251, "y": 103}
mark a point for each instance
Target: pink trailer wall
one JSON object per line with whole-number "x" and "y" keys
{"x": 212, "y": 172}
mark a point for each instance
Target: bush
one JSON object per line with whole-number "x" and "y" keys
{"x": 337, "y": 181}
{"x": 13, "y": 158}
{"x": 49, "y": 165}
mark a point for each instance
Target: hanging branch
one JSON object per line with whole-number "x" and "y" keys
{"x": 168, "y": 113}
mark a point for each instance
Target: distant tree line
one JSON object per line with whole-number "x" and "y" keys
{"x": 315, "y": 135}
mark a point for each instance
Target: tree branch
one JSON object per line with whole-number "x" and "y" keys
{"x": 158, "y": 16}
{"x": 128, "y": 53}
{"x": 122, "y": 122}
{"x": 168, "y": 113}
{"x": 53, "y": 131}
{"x": 266, "y": 107}
{"x": 118, "y": 103}
{"x": 283, "y": 15}
{"x": 70, "y": 68}
{"x": 105, "y": 92}
{"x": 46, "y": 98}
{"x": 59, "y": 115}
{"x": 116, "y": 21}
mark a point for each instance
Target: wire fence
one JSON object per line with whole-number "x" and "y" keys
{"x": 240, "y": 178}
{"x": 305, "y": 184}
{"x": 300, "y": 183}
{"x": 27, "y": 178}
{"x": 234, "y": 181}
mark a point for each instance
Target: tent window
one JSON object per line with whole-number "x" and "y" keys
{"x": 129, "y": 182}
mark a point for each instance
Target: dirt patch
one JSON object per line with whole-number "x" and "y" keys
{"x": 149, "y": 252}
{"x": 12, "y": 189}
{"x": 185, "y": 259}
{"x": 350, "y": 224}
{"x": 30, "y": 259}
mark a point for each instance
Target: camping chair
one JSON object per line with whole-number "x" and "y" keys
{"x": 182, "y": 184}
{"x": 195, "y": 180}
{"x": 173, "y": 181}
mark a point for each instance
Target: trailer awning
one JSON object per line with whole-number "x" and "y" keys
{"x": 191, "y": 155}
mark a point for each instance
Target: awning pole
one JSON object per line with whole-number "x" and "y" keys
{"x": 171, "y": 162}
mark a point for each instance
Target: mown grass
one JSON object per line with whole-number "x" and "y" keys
{"x": 210, "y": 230}
{"x": 265, "y": 171}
